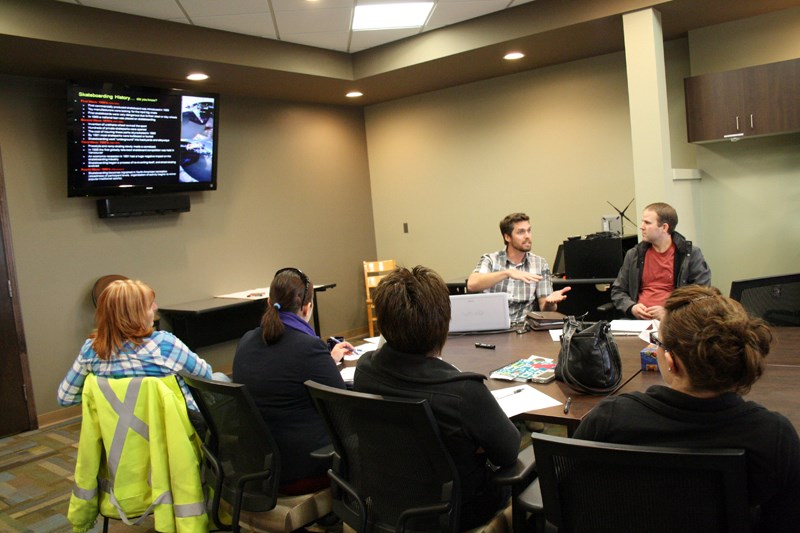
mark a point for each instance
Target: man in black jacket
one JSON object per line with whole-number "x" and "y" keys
{"x": 663, "y": 261}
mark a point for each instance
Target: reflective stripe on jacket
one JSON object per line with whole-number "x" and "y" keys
{"x": 138, "y": 447}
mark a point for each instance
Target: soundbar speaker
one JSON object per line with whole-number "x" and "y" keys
{"x": 131, "y": 206}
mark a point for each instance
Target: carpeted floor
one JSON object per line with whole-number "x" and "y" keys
{"x": 36, "y": 474}
{"x": 36, "y": 480}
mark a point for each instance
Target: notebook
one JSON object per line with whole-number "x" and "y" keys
{"x": 484, "y": 311}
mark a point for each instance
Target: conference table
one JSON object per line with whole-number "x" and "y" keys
{"x": 776, "y": 389}
{"x": 222, "y": 318}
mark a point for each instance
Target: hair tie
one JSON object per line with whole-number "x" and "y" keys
{"x": 277, "y": 306}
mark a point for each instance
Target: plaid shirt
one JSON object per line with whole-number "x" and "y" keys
{"x": 521, "y": 296}
{"x": 160, "y": 354}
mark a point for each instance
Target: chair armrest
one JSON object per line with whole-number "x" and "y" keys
{"x": 326, "y": 452}
{"x": 531, "y": 498}
{"x": 606, "y": 307}
{"x": 519, "y": 474}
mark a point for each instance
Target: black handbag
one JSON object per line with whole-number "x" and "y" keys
{"x": 589, "y": 361}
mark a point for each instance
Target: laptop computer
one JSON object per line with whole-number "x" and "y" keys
{"x": 483, "y": 311}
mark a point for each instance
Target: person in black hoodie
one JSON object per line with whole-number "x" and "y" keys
{"x": 413, "y": 312}
{"x": 710, "y": 352}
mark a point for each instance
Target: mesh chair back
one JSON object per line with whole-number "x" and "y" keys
{"x": 238, "y": 439}
{"x": 776, "y": 299}
{"x": 598, "y": 487}
{"x": 392, "y": 460}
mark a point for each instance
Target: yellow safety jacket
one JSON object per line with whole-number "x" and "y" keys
{"x": 138, "y": 454}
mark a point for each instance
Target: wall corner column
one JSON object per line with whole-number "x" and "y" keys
{"x": 647, "y": 101}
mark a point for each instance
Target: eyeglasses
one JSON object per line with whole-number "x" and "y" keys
{"x": 655, "y": 340}
{"x": 302, "y": 276}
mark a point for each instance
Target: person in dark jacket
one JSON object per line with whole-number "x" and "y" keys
{"x": 663, "y": 261}
{"x": 273, "y": 361}
{"x": 710, "y": 352}
{"x": 413, "y": 312}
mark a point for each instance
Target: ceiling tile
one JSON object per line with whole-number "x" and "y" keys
{"x": 158, "y": 9}
{"x": 294, "y": 5}
{"x": 313, "y": 21}
{"x": 256, "y": 24}
{"x": 211, "y": 8}
{"x": 446, "y": 13}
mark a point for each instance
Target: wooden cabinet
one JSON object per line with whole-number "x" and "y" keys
{"x": 748, "y": 102}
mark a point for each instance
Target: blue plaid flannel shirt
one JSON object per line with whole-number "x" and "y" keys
{"x": 160, "y": 354}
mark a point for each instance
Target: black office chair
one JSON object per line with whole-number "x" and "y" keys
{"x": 243, "y": 464}
{"x": 391, "y": 470}
{"x": 776, "y": 299}
{"x": 600, "y": 487}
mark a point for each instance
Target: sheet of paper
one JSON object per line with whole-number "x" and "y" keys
{"x": 632, "y": 327}
{"x": 348, "y": 373}
{"x": 523, "y": 398}
{"x": 360, "y": 350}
{"x": 555, "y": 334}
{"x": 645, "y": 335}
{"x": 252, "y": 294}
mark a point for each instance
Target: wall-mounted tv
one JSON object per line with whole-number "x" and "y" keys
{"x": 127, "y": 140}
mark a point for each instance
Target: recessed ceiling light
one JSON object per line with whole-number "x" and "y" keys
{"x": 197, "y": 76}
{"x": 354, "y": 94}
{"x": 511, "y": 56}
{"x": 390, "y": 16}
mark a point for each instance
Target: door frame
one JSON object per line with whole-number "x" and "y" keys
{"x": 16, "y": 309}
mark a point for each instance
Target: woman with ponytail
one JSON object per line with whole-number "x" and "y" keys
{"x": 710, "y": 352}
{"x": 273, "y": 361}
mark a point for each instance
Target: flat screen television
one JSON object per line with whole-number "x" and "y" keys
{"x": 128, "y": 140}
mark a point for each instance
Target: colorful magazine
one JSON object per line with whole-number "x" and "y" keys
{"x": 524, "y": 369}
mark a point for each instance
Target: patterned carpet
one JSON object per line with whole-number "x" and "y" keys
{"x": 36, "y": 480}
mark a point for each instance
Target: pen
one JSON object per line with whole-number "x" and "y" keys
{"x": 566, "y": 405}
{"x": 515, "y": 391}
{"x": 338, "y": 341}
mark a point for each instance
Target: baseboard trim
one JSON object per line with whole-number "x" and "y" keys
{"x": 55, "y": 417}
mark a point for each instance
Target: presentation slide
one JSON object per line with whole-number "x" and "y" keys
{"x": 125, "y": 138}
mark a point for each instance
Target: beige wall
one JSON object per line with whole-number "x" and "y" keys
{"x": 554, "y": 143}
{"x": 750, "y": 189}
{"x": 293, "y": 190}
{"x": 299, "y": 185}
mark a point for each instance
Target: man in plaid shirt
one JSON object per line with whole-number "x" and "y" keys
{"x": 515, "y": 270}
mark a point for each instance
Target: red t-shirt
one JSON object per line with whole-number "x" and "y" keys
{"x": 658, "y": 276}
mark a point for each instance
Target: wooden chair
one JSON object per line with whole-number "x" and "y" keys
{"x": 374, "y": 271}
{"x": 102, "y": 283}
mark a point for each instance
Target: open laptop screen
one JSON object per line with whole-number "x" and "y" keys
{"x": 484, "y": 311}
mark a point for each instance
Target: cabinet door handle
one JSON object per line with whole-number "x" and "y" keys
{"x": 737, "y": 122}
{"x": 751, "y": 121}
